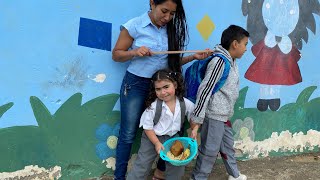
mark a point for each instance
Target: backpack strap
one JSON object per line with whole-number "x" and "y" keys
{"x": 195, "y": 74}
{"x": 159, "y": 110}
{"x": 225, "y": 73}
{"x": 183, "y": 115}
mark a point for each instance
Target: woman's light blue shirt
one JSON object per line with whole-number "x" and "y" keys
{"x": 145, "y": 33}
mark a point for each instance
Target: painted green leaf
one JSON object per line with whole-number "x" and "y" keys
{"x": 41, "y": 112}
{"x": 100, "y": 110}
{"x": 5, "y": 108}
{"x": 305, "y": 94}
{"x": 71, "y": 105}
{"x": 242, "y": 97}
{"x": 100, "y": 105}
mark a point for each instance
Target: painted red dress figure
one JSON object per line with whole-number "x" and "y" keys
{"x": 273, "y": 67}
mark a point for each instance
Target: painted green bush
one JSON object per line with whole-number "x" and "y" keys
{"x": 302, "y": 115}
{"x": 68, "y": 138}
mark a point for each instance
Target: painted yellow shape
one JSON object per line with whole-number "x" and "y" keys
{"x": 244, "y": 132}
{"x": 206, "y": 27}
{"x": 112, "y": 142}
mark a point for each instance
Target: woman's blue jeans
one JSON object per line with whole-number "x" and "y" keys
{"x": 134, "y": 90}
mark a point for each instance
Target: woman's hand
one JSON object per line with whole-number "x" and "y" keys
{"x": 198, "y": 56}
{"x": 159, "y": 147}
{"x": 141, "y": 51}
{"x": 203, "y": 55}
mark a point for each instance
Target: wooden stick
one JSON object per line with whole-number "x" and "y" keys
{"x": 178, "y": 52}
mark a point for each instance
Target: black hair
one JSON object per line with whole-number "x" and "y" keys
{"x": 233, "y": 32}
{"x": 177, "y": 31}
{"x": 166, "y": 74}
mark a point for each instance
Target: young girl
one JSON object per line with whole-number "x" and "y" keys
{"x": 167, "y": 86}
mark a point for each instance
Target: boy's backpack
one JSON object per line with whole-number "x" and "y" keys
{"x": 196, "y": 72}
{"x": 159, "y": 110}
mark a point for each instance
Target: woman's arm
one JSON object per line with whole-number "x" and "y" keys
{"x": 120, "y": 52}
{"x": 197, "y": 56}
{"x": 187, "y": 59}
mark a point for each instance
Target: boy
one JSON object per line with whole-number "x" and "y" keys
{"x": 213, "y": 111}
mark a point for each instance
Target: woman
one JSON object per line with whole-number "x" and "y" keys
{"x": 162, "y": 28}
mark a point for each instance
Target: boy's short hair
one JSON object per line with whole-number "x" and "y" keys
{"x": 233, "y": 32}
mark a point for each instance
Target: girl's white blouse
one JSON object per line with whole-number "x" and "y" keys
{"x": 169, "y": 123}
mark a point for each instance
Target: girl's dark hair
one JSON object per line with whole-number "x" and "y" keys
{"x": 177, "y": 31}
{"x": 166, "y": 74}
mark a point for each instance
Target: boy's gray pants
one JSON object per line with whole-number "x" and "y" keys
{"x": 215, "y": 136}
{"x": 146, "y": 156}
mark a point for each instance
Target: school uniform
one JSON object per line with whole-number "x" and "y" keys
{"x": 168, "y": 126}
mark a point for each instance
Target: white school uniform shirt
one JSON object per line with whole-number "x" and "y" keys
{"x": 169, "y": 123}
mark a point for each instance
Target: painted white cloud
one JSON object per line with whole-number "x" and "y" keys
{"x": 99, "y": 78}
{"x": 111, "y": 163}
{"x": 34, "y": 172}
{"x": 285, "y": 142}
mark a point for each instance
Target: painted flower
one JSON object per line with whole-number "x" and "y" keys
{"x": 111, "y": 163}
{"x": 243, "y": 129}
{"x": 108, "y": 139}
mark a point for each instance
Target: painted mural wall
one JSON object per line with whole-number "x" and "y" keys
{"x": 59, "y": 109}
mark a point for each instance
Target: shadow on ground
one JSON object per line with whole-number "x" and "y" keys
{"x": 298, "y": 167}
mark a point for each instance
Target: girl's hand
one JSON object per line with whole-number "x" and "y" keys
{"x": 141, "y": 51}
{"x": 203, "y": 55}
{"x": 194, "y": 131}
{"x": 158, "y": 147}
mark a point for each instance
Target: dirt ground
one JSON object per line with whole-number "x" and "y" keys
{"x": 298, "y": 167}
{"x": 301, "y": 167}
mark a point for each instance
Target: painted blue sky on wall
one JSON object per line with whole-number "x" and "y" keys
{"x": 40, "y": 53}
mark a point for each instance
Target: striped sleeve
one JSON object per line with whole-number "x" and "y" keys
{"x": 213, "y": 74}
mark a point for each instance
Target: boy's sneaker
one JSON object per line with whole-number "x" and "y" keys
{"x": 241, "y": 177}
